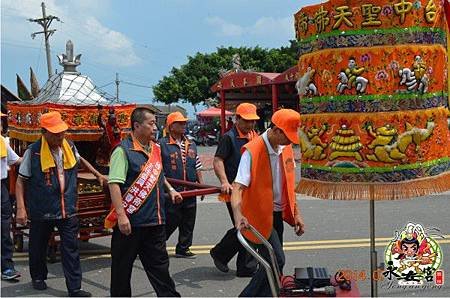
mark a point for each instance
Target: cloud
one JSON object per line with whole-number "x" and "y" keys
{"x": 265, "y": 26}
{"x": 226, "y": 28}
{"x": 118, "y": 47}
{"x": 80, "y": 23}
{"x": 270, "y": 25}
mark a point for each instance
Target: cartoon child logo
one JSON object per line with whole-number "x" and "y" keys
{"x": 413, "y": 256}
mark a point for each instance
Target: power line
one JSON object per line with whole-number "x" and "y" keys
{"x": 106, "y": 85}
{"x": 91, "y": 36}
{"x": 85, "y": 63}
{"x": 136, "y": 85}
{"x": 39, "y": 57}
{"x": 18, "y": 45}
{"x": 133, "y": 96}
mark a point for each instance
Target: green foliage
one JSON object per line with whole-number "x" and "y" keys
{"x": 192, "y": 81}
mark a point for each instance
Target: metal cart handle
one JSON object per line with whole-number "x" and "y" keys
{"x": 272, "y": 270}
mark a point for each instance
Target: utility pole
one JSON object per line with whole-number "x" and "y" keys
{"x": 45, "y": 22}
{"x": 117, "y": 86}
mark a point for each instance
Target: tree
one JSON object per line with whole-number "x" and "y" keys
{"x": 192, "y": 81}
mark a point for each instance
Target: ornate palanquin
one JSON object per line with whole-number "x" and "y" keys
{"x": 84, "y": 121}
{"x": 96, "y": 124}
{"x": 374, "y": 99}
{"x": 91, "y": 128}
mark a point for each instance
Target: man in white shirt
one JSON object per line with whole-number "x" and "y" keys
{"x": 263, "y": 192}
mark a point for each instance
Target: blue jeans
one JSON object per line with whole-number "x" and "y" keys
{"x": 259, "y": 285}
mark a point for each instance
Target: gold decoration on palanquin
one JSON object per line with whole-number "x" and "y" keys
{"x": 311, "y": 145}
{"x": 64, "y": 115}
{"x": 78, "y": 119}
{"x": 122, "y": 118}
{"x": 388, "y": 146}
{"x": 345, "y": 144}
{"x": 93, "y": 118}
{"x": 84, "y": 188}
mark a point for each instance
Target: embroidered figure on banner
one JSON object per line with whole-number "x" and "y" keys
{"x": 305, "y": 84}
{"x": 311, "y": 145}
{"x": 388, "y": 146}
{"x": 351, "y": 77}
{"x": 415, "y": 78}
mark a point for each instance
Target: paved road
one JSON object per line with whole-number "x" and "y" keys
{"x": 336, "y": 238}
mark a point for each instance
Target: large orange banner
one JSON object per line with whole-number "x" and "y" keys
{"x": 374, "y": 98}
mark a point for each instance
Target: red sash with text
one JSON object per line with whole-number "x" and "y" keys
{"x": 141, "y": 188}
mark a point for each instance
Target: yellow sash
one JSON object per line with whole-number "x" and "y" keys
{"x": 3, "y": 151}
{"x": 47, "y": 161}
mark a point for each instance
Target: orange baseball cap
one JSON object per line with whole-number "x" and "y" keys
{"x": 288, "y": 121}
{"x": 247, "y": 111}
{"x": 53, "y": 122}
{"x": 175, "y": 117}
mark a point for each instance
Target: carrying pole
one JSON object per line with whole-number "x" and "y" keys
{"x": 373, "y": 252}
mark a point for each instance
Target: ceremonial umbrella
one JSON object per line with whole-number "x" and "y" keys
{"x": 213, "y": 112}
{"x": 374, "y": 101}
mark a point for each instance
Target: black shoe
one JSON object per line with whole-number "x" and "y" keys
{"x": 245, "y": 273}
{"x": 10, "y": 274}
{"x": 219, "y": 265}
{"x": 188, "y": 254}
{"x": 39, "y": 285}
{"x": 80, "y": 293}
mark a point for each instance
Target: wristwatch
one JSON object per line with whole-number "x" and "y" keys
{"x": 171, "y": 189}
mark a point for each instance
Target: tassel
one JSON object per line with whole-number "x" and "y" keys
{"x": 382, "y": 191}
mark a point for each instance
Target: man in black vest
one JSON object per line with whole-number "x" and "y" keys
{"x": 48, "y": 175}
{"x": 226, "y": 162}
{"x": 137, "y": 186}
{"x": 180, "y": 161}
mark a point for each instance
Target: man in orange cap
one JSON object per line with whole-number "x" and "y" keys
{"x": 137, "y": 186}
{"x": 8, "y": 158}
{"x": 48, "y": 180}
{"x": 226, "y": 162}
{"x": 180, "y": 161}
{"x": 263, "y": 192}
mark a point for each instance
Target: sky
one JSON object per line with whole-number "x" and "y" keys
{"x": 141, "y": 40}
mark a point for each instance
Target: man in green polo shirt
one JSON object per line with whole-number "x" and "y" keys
{"x": 137, "y": 186}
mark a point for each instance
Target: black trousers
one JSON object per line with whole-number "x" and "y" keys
{"x": 181, "y": 216}
{"x": 150, "y": 244}
{"x": 229, "y": 246}
{"x": 7, "y": 243}
{"x": 38, "y": 244}
{"x": 278, "y": 225}
{"x": 259, "y": 285}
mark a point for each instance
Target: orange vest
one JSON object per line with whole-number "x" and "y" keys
{"x": 257, "y": 198}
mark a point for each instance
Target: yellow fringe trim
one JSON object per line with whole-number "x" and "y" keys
{"x": 27, "y": 137}
{"x": 380, "y": 191}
